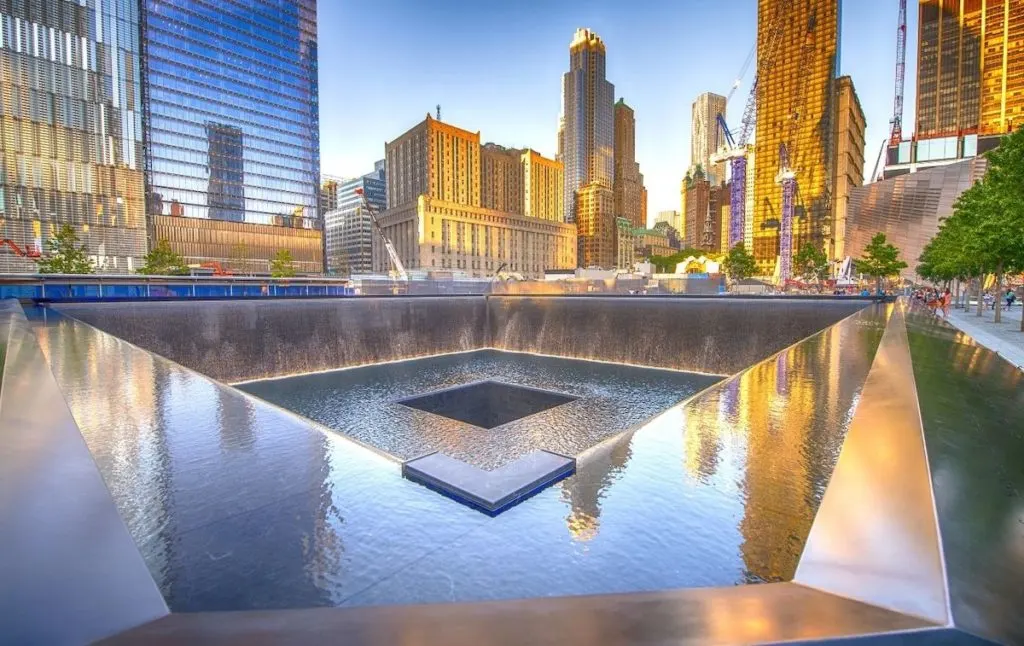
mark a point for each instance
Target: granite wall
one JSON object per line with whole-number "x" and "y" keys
{"x": 245, "y": 340}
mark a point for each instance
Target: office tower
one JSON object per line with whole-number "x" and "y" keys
{"x": 70, "y": 118}
{"x": 698, "y": 195}
{"x": 970, "y": 82}
{"x": 706, "y": 136}
{"x": 849, "y": 167}
{"x": 232, "y": 128}
{"x": 795, "y": 107}
{"x": 348, "y": 228}
{"x": 439, "y": 183}
{"x": 673, "y": 218}
{"x": 625, "y": 243}
{"x": 544, "y": 187}
{"x": 329, "y": 193}
{"x": 628, "y": 182}
{"x": 588, "y": 147}
{"x": 501, "y": 178}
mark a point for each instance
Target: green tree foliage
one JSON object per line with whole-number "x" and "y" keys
{"x": 881, "y": 259}
{"x": 739, "y": 263}
{"x": 282, "y": 265}
{"x": 811, "y": 263}
{"x": 162, "y": 261}
{"x": 64, "y": 254}
{"x": 984, "y": 234}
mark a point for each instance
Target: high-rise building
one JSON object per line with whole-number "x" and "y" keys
{"x": 705, "y": 135}
{"x": 348, "y": 228}
{"x": 698, "y": 196}
{"x": 970, "y": 82}
{"x": 795, "y": 107}
{"x": 587, "y": 147}
{"x": 230, "y": 100}
{"x": 625, "y": 243}
{"x": 673, "y": 218}
{"x": 329, "y": 193}
{"x": 70, "y": 116}
{"x": 544, "y": 187}
{"x": 501, "y": 178}
{"x": 628, "y": 182}
{"x": 440, "y": 181}
{"x": 849, "y": 167}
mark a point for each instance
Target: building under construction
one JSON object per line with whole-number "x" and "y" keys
{"x": 795, "y": 107}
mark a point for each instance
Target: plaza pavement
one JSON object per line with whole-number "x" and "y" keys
{"x": 1004, "y": 338}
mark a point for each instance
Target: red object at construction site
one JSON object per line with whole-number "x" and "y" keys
{"x": 28, "y": 252}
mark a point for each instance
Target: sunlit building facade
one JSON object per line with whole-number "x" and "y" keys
{"x": 544, "y": 187}
{"x": 441, "y": 218}
{"x": 71, "y": 122}
{"x": 628, "y": 182}
{"x": 795, "y": 107}
{"x": 232, "y": 118}
{"x": 595, "y": 224}
{"x": 706, "y": 136}
{"x": 849, "y": 167}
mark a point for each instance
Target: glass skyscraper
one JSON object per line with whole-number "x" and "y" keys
{"x": 71, "y": 124}
{"x": 586, "y": 146}
{"x": 231, "y": 102}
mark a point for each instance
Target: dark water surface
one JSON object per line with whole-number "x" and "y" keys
{"x": 236, "y": 504}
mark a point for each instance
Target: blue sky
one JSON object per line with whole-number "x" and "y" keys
{"x": 497, "y": 67}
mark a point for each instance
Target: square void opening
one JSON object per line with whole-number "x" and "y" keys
{"x": 487, "y": 404}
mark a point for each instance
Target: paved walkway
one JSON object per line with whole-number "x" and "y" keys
{"x": 1005, "y": 338}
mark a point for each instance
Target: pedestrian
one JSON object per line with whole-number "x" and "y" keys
{"x": 989, "y": 301}
{"x": 947, "y": 299}
{"x": 1010, "y": 298}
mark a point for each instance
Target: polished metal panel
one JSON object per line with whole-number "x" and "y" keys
{"x": 972, "y": 408}
{"x": 69, "y": 571}
{"x": 739, "y": 615}
{"x": 875, "y": 537}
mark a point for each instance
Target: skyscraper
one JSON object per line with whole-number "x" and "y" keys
{"x": 970, "y": 76}
{"x": 795, "y": 107}
{"x": 71, "y": 118}
{"x": 849, "y": 168}
{"x": 588, "y": 148}
{"x": 628, "y": 183}
{"x": 232, "y": 127}
{"x": 705, "y": 135}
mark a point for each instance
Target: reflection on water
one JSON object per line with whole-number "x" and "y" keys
{"x": 236, "y": 504}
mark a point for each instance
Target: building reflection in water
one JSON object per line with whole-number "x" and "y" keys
{"x": 596, "y": 470}
{"x": 783, "y": 422}
{"x": 169, "y": 443}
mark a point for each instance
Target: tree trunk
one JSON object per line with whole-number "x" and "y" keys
{"x": 999, "y": 293}
{"x": 981, "y": 293}
{"x": 957, "y": 299}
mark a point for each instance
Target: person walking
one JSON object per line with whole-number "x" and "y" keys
{"x": 947, "y": 300}
{"x": 1010, "y": 297}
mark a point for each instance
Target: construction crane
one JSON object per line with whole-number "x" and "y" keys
{"x": 896, "y": 134}
{"x": 786, "y": 176}
{"x": 735, "y": 149}
{"x": 395, "y": 260}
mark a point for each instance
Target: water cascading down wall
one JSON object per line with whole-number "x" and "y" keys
{"x": 235, "y": 341}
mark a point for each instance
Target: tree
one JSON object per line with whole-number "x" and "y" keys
{"x": 65, "y": 255}
{"x": 162, "y": 261}
{"x": 811, "y": 263}
{"x": 1000, "y": 227}
{"x": 238, "y": 258}
{"x": 667, "y": 264}
{"x": 739, "y": 263}
{"x": 282, "y": 265}
{"x": 881, "y": 260}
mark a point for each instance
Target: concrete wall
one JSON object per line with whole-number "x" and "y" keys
{"x": 245, "y": 340}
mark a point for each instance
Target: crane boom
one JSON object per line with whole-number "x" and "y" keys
{"x": 896, "y": 134}
{"x": 392, "y": 253}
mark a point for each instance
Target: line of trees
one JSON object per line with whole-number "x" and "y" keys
{"x": 985, "y": 234}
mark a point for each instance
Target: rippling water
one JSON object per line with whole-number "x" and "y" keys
{"x": 236, "y": 504}
{"x": 362, "y": 403}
